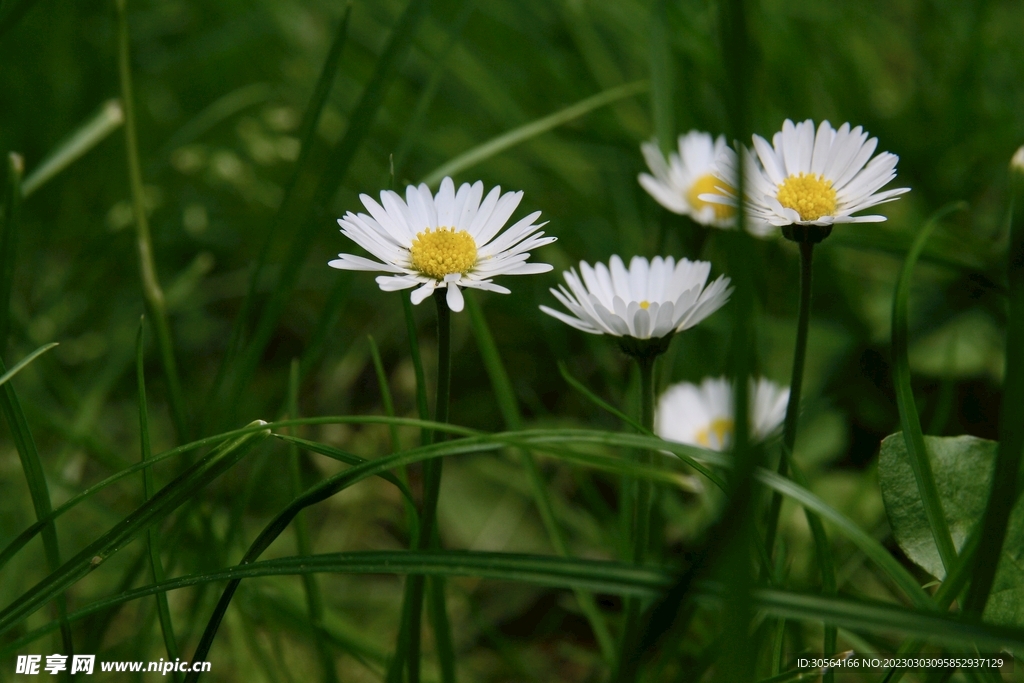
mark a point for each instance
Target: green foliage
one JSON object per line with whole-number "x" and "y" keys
{"x": 252, "y": 125}
{"x": 963, "y": 468}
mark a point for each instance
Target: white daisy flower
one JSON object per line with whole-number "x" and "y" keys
{"x": 678, "y": 184}
{"x": 808, "y": 178}
{"x": 449, "y": 240}
{"x": 703, "y": 415}
{"x": 648, "y": 301}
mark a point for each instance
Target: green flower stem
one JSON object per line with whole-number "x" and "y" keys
{"x": 641, "y": 501}
{"x": 152, "y": 292}
{"x": 431, "y": 478}
{"x": 795, "y": 384}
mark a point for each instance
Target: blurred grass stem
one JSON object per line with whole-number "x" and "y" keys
{"x": 151, "y": 290}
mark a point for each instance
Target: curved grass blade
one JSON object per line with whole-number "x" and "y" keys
{"x": 610, "y": 577}
{"x": 329, "y": 487}
{"x": 347, "y": 458}
{"x": 1011, "y": 430}
{"x": 35, "y": 477}
{"x": 868, "y": 545}
{"x": 598, "y": 401}
{"x": 152, "y": 292}
{"x": 871, "y": 616}
{"x": 152, "y": 535}
{"x": 509, "y": 408}
{"x": 539, "y": 440}
{"x": 909, "y": 420}
{"x": 530, "y": 130}
{"x": 217, "y": 111}
{"x": 23, "y": 538}
{"x": 168, "y": 499}
{"x": 544, "y": 570}
{"x": 10, "y": 217}
{"x": 23, "y": 363}
{"x": 385, "y": 392}
{"x": 91, "y": 133}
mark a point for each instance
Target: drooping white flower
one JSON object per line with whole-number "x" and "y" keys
{"x": 810, "y": 178}
{"x": 448, "y": 240}
{"x": 650, "y": 300}
{"x": 703, "y": 415}
{"x": 678, "y": 183}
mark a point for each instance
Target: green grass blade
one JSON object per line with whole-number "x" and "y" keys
{"x": 385, "y": 391}
{"x": 148, "y": 487}
{"x": 215, "y": 113}
{"x": 168, "y": 499}
{"x": 438, "y": 610}
{"x": 662, "y": 84}
{"x": 10, "y": 217}
{"x": 531, "y": 130}
{"x": 414, "y": 132}
{"x": 35, "y": 477}
{"x": 310, "y": 120}
{"x": 871, "y": 616}
{"x": 23, "y": 363}
{"x": 549, "y": 441}
{"x": 597, "y": 400}
{"x": 868, "y": 545}
{"x": 909, "y": 420}
{"x": 23, "y": 538}
{"x": 308, "y": 222}
{"x": 347, "y": 458}
{"x": 509, "y": 407}
{"x": 310, "y": 583}
{"x": 603, "y": 576}
{"x": 826, "y": 561}
{"x": 91, "y": 133}
{"x": 1011, "y": 430}
{"x": 152, "y": 292}
{"x": 600, "y": 576}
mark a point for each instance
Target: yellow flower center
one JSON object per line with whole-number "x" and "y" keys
{"x": 709, "y": 184}
{"x": 443, "y": 251}
{"x": 720, "y": 427}
{"x": 809, "y": 195}
{"x": 645, "y": 305}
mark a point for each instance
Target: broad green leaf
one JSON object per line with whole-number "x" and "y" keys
{"x": 963, "y": 472}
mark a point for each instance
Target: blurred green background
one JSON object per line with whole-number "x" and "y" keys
{"x": 221, "y": 87}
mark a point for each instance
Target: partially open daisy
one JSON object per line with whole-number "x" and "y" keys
{"x": 703, "y": 415}
{"x": 650, "y": 300}
{"x": 811, "y": 178}
{"x": 449, "y": 240}
{"x": 678, "y": 183}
